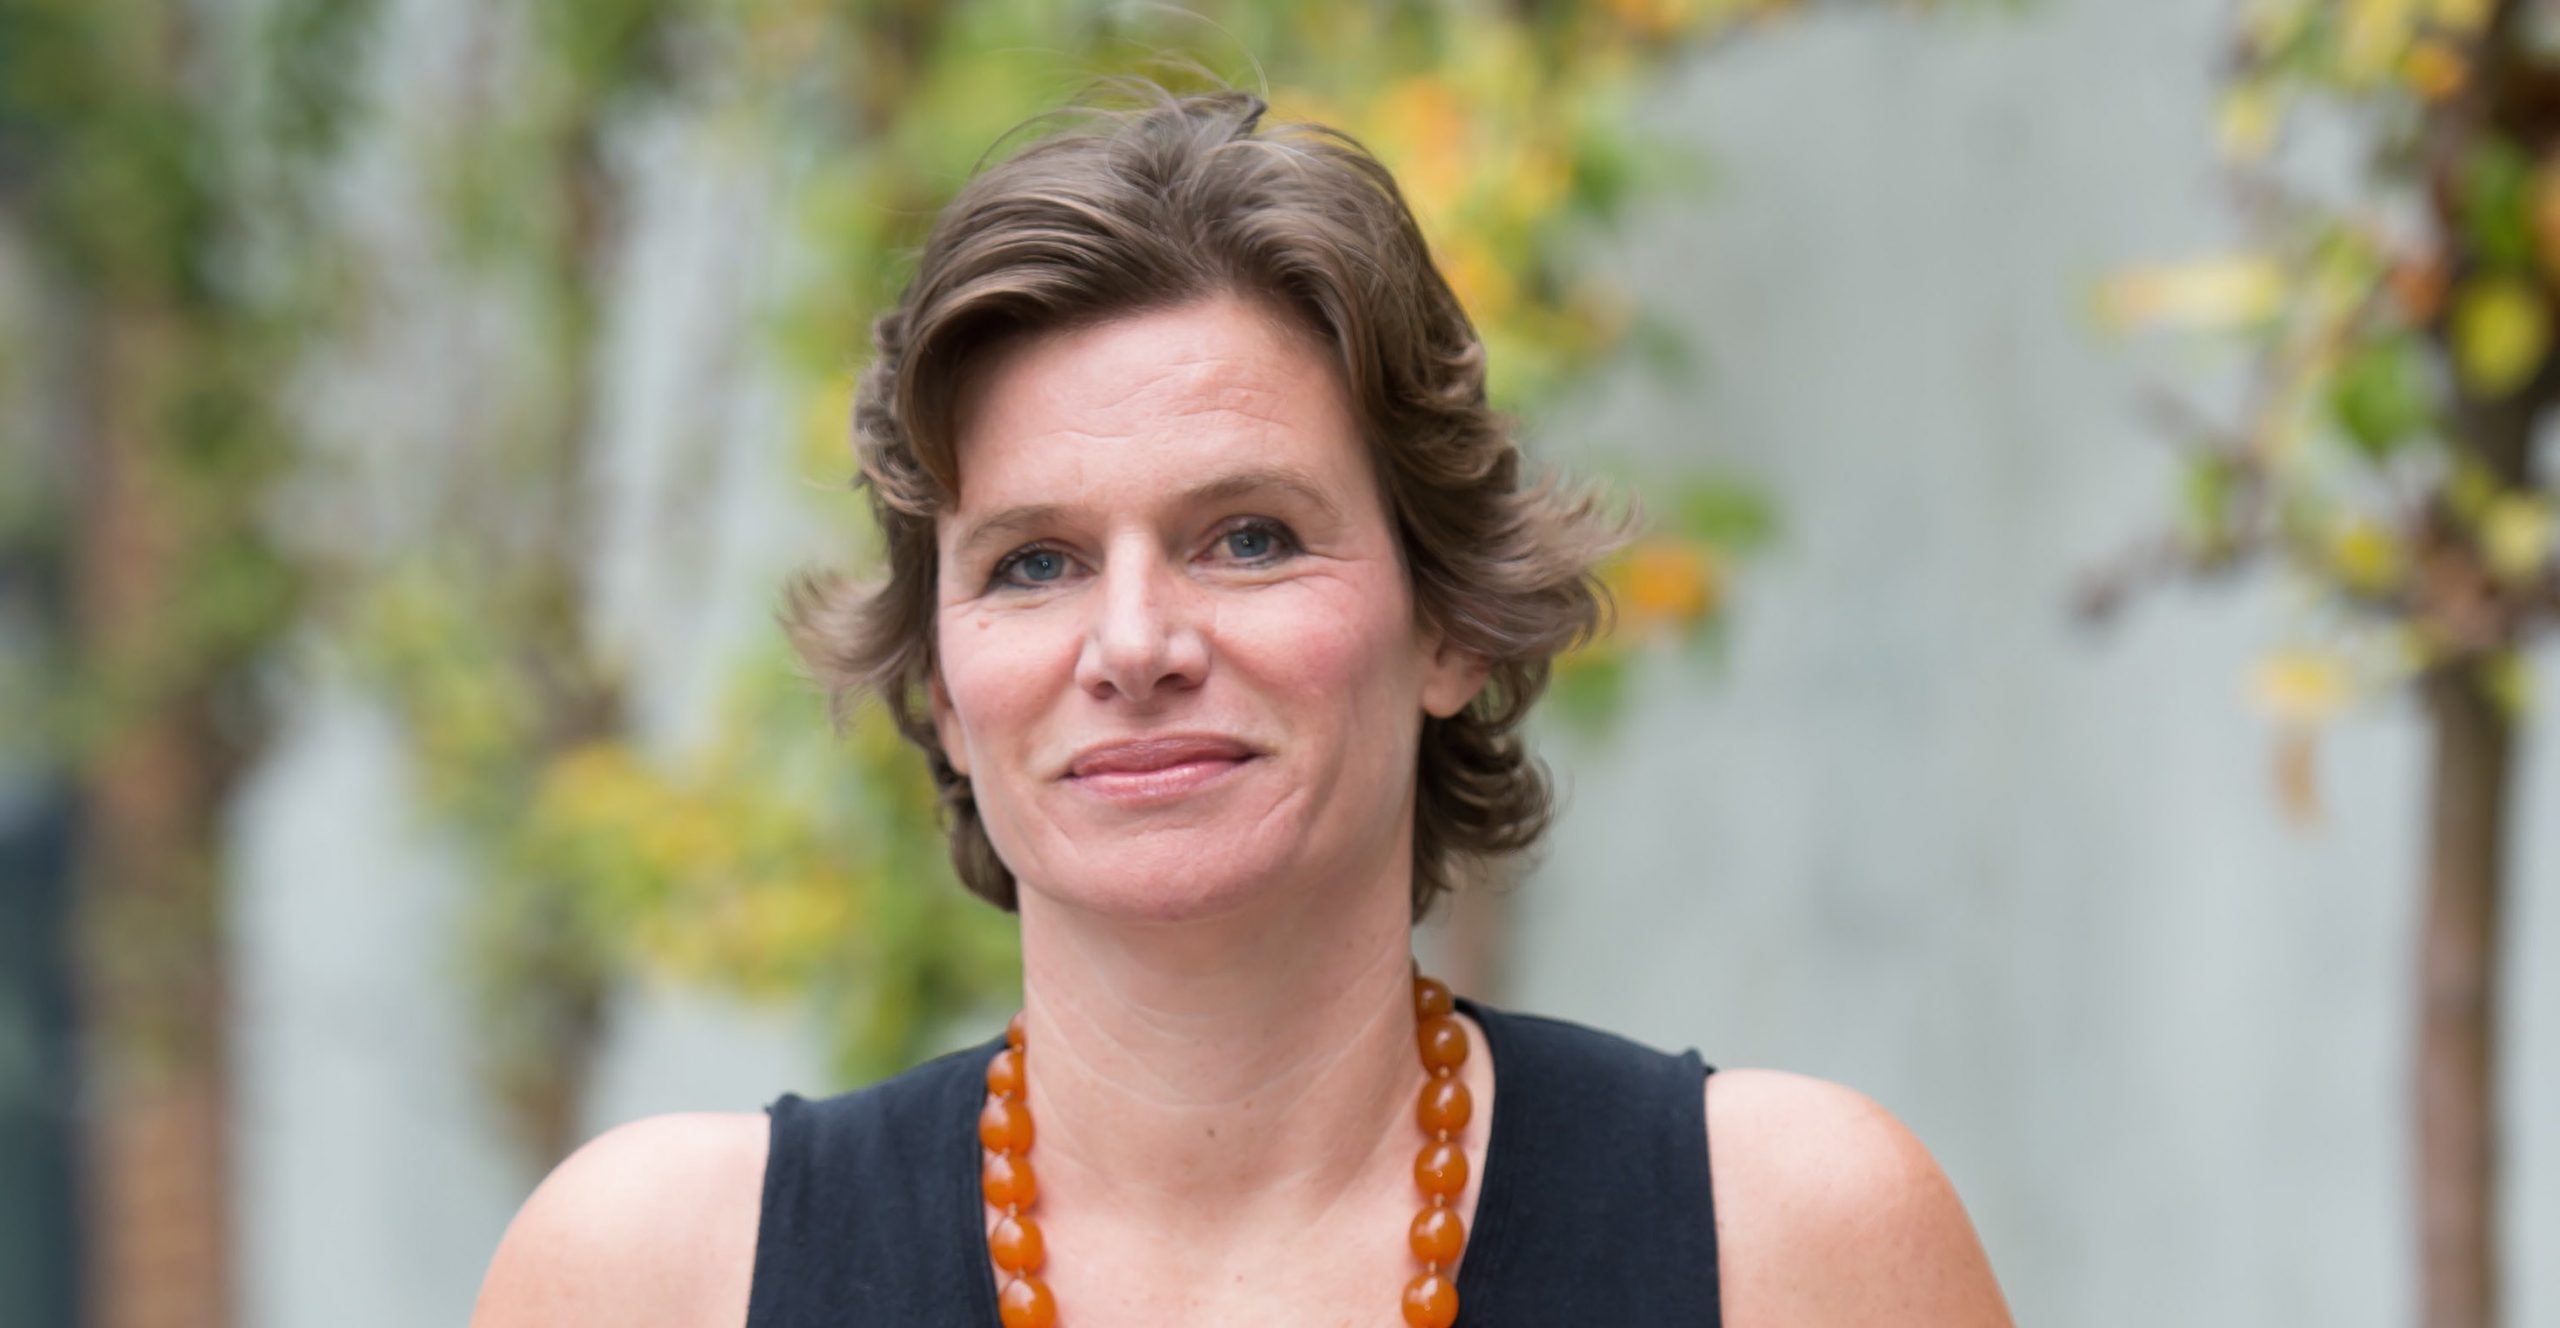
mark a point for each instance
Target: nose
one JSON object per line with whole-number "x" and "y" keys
{"x": 1143, "y": 634}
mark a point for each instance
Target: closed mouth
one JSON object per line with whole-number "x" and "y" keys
{"x": 1158, "y": 754}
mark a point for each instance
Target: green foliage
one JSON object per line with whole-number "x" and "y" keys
{"x": 313, "y": 54}
{"x": 2495, "y": 181}
{"x": 105, "y": 144}
{"x": 2403, "y": 334}
{"x": 117, "y": 167}
{"x": 2379, "y": 398}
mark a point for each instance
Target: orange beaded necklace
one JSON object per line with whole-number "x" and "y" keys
{"x": 1440, "y": 1170}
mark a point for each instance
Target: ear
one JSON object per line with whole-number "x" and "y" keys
{"x": 1451, "y": 676}
{"x": 946, "y": 723}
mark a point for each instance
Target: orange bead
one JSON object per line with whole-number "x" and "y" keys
{"x": 1431, "y": 998}
{"x": 1445, "y": 1107}
{"x": 1441, "y": 1169}
{"x": 1438, "y": 1236}
{"x": 1004, "y": 1073}
{"x": 1007, "y": 1181}
{"x": 1026, "y": 1303}
{"x": 1017, "y": 1246}
{"x": 1004, "y": 1126}
{"x": 1444, "y": 1044}
{"x": 1013, "y": 1031}
{"x": 1430, "y": 1301}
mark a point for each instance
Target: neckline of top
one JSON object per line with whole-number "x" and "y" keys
{"x": 1485, "y": 1233}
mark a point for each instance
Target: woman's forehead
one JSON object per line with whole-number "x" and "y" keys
{"x": 1177, "y": 403}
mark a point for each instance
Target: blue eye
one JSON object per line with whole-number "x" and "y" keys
{"x": 1039, "y": 567}
{"x": 1258, "y": 541}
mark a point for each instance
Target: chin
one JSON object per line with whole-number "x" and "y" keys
{"x": 1167, "y": 876}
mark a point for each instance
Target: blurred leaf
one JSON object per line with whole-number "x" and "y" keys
{"x": 2516, "y": 537}
{"x": 2374, "y": 36}
{"x": 1589, "y": 687}
{"x": 2496, "y": 193}
{"x": 2470, "y": 489}
{"x": 2501, "y": 333}
{"x": 2366, "y": 556}
{"x": 2246, "y": 120}
{"x": 2208, "y": 486}
{"x": 2379, "y": 396}
{"x": 1730, "y": 515}
{"x": 2506, "y": 678}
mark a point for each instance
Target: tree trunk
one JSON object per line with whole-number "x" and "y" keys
{"x": 152, "y": 989}
{"x": 2458, "y": 986}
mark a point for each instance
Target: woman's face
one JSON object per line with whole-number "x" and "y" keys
{"x": 1178, "y": 658}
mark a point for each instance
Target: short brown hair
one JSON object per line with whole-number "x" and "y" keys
{"x": 1155, "y": 204}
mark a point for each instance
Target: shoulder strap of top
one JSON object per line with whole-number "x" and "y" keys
{"x": 1596, "y": 1205}
{"x": 849, "y": 1183}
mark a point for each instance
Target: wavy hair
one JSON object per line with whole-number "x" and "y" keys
{"x": 1154, "y": 204}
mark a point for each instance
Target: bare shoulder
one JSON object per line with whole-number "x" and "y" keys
{"x": 1829, "y": 1211}
{"x": 650, "y": 1225}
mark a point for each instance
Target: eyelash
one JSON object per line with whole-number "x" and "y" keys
{"x": 1284, "y": 542}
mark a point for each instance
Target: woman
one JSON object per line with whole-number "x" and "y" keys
{"x": 1215, "y": 600}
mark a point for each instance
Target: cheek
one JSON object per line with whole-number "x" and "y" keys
{"x": 1343, "y": 645}
{"x": 1001, "y": 671}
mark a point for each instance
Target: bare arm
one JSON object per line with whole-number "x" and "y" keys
{"x": 650, "y": 1225}
{"x": 1829, "y": 1212}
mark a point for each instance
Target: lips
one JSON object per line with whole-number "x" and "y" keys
{"x": 1140, "y": 755}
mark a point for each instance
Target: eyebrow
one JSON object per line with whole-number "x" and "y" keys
{"x": 1235, "y": 484}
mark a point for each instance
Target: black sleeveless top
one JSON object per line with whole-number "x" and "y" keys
{"x": 1595, "y": 1206}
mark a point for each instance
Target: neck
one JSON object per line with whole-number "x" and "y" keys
{"x": 1221, "y": 1073}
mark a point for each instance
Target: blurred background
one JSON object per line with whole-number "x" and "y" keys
{"x": 2078, "y": 687}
